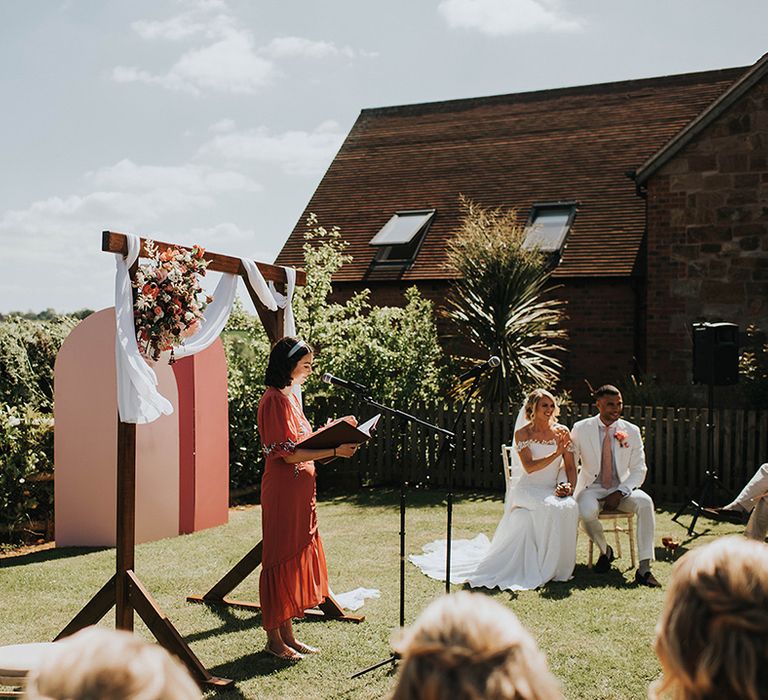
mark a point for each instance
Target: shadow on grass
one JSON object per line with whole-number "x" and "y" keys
{"x": 230, "y": 623}
{"x": 416, "y": 496}
{"x": 48, "y": 555}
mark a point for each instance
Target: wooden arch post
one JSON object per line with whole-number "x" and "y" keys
{"x": 124, "y": 591}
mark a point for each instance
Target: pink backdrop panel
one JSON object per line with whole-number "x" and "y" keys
{"x": 203, "y": 439}
{"x": 85, "y": 444}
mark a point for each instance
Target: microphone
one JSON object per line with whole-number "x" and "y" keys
{"x": 345, "y": 383}
{"x": 477, "y": 370}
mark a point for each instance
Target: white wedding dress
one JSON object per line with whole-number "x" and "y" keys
{"x": 534, "y": 542}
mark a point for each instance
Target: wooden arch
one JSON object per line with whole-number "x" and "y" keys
{"x": 124, "y": 591}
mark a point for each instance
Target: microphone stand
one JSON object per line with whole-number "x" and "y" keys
{"x": 404, "y": 419}
{"x": 449, "y": 445}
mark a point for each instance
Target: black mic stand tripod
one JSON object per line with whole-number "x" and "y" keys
{"x": 404, "y": 419}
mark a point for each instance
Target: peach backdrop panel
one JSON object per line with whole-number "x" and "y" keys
{"x": 85, "y": 444}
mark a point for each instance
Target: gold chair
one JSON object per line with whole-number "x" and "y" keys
{"x": 616, "y": 518}
{"x": 505, "y": 450}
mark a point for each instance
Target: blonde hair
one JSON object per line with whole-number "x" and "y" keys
{"x": 466, "y": 646}
{"x": 532, "y": 401}
{"x": 712, "y": 638}
{"x": 98, "y": 663}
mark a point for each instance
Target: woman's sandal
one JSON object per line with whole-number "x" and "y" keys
{"x": 288, "y": 655}
{"x": 304, "y": 648}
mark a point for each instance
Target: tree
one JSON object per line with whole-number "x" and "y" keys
{"x": 500, "y": 303}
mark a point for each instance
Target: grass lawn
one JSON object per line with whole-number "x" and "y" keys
{"x": 596, "y": 630}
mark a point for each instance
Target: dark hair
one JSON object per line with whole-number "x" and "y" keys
{"x": 606, "y": 390}
{"x": 280, "y": 366}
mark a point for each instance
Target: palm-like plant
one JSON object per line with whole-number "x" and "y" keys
{"x": 500, "y": 303}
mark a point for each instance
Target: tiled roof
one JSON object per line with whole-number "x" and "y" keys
{"x": 508, "y": 151}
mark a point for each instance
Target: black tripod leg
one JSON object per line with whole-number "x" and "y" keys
{"x": 391, "y": 660}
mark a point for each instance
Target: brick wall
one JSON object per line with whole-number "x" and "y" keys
{"x": 708, "y": 235}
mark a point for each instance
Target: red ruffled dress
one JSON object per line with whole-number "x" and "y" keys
{"x": 294, "y": 575}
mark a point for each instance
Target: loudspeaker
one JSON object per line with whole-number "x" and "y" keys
{"x": 715, "y": 353}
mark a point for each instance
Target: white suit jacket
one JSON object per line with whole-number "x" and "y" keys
{"x": 630, "y": 461}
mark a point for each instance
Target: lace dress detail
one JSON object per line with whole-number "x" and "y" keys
{"x": 520, "y": 446}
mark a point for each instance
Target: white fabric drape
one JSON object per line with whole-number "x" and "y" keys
{"x": 138, "y": 400}
{"x": 215, "y": 317}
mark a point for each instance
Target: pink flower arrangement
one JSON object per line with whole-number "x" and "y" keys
{"x": 622, "y": 437}
{"x": 170, "y": 302}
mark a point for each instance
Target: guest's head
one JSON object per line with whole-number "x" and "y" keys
{"x": 103, "y": 664}
{"x": 609, "y": 403}
{"x": 466, "y": 646}
{"x": 289, "y": 361}
{"x": 712, "y": 638}
{"x": 540, "y": 403}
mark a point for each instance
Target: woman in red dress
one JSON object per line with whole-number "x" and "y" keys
{"x": 293, "y": 574}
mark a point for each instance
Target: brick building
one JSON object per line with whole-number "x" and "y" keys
{"x": 638, "y": 260}
{"x": 707, "y": 224}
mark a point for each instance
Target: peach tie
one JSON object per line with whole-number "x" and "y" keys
{"x": 606, "y": 461}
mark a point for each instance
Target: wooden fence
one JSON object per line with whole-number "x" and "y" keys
{"x": 675, "y": 444}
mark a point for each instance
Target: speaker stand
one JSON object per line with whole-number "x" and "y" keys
{"x": 711, "y": 480}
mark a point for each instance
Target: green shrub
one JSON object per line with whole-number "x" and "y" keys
{"x": 26, "y": 464}
{"x": 28, "y": 351}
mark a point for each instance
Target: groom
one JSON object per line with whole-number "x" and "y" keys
{"x": 612, "y": 470}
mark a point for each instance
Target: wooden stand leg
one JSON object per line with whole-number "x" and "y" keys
{"x": 165, "y": 633}
{"x": 94, "y": 610}
{"x": 124, "y": 590}
{"x": 329, "y": 608}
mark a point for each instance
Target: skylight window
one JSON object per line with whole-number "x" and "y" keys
{"x": 399, "y": 239}
{"x": 548, "y": 226}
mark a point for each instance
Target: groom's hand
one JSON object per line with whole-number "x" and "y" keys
{"x": 612, "y": 500}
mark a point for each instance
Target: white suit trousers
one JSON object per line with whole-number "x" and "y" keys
{"x": 638, "y": 502}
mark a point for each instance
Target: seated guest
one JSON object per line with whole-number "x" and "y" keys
{"x": 466, "y": 646}
{"x": 752, "y": 499}
{"x": 712, "y": 638}
{"x": 104, "y": 664}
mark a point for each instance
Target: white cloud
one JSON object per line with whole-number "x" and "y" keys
{"x": 196, "y": 21}
{"x": 296, "y": 152}
{"x": 228, "y": 65}
{"x": 58, "y": 239}
{"x": 191, "y": 179}
{"x": 299, "y": 47}
{"x": 222, "y": 126}
{"x": 505, "y": 17}
{"x": 229, "y": 61}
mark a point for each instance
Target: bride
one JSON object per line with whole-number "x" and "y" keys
{"x": 535, "y": 541}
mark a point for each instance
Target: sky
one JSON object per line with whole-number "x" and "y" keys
{"x": 213, "y": 121}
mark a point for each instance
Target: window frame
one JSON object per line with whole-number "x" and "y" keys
{"x": 538, "y": 207}
{"x": 382, "y": 259}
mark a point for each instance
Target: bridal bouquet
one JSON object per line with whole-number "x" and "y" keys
{"x": 170, "y": 302}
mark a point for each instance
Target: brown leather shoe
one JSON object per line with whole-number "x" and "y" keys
{"x": 646, "y": 579}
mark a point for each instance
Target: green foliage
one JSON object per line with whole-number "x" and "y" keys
{"x": 393, "y": 351}
{"x": 753, "y": 368}
{"x": 26, "y": 461}
{"x": 247, "y": 347}
{"x": 500, "y": 303}
{"x": 48, "y": 315}
{"x": 27, "y": 354}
